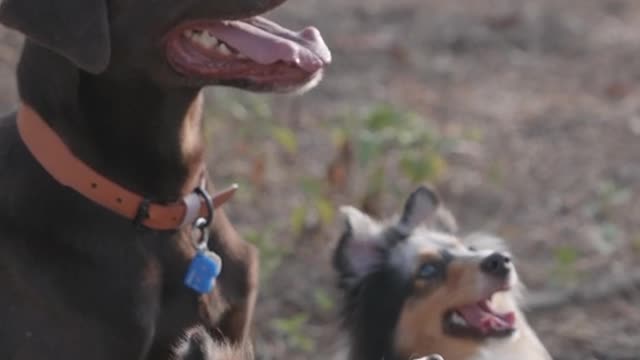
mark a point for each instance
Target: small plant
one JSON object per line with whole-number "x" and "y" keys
{"x": 407, "y": 138}
{"x": 323, "y": 300}
{"x": 292, "y": 328}
{"x": 387, "y": 143}
{"x": 271, "y": 255}
{"x": 565, "y": 260}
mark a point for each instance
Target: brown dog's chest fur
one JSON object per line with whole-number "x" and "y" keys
{"x": 83, "y": 283}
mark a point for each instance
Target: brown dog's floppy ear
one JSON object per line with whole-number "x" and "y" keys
{"x": 75, "y": 29}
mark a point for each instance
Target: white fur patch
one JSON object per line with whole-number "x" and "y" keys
{"x": 363, "y": 227}
{"x": 362, "y": 248}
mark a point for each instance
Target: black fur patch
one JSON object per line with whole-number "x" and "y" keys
{"x": 371, "y": 311}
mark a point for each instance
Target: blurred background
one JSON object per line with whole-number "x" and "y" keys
{"x": 525, "y": 115}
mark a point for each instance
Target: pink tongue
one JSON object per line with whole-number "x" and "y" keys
{"x": 306, "y": 48}
{"x": 481, "y": 317}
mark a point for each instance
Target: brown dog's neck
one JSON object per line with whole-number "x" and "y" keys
{"x": 132, "y": 131}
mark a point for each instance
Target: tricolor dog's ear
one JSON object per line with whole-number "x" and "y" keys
{"x": 360, "y": 248}
{"x": 425, "y": 207}
{"x": 421, "y": 207}
{"x": 360, "y": 225}
{"x": 75, "y": 29}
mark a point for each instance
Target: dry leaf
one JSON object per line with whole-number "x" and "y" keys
{"x": 258, "y": 171}
{"x": 339, "y": 169}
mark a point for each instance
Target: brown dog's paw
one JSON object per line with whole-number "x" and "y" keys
{"x": 197, "y": 344}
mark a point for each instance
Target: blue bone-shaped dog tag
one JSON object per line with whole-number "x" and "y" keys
{"x": 203, "y": 271}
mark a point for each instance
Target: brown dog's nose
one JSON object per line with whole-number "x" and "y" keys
{"x": 496, "y": 264}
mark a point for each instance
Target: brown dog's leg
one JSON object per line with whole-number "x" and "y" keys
{"x": 236, "y": 322}
{"x": 239, "y": 278}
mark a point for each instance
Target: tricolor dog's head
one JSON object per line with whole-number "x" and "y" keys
{"x": 412, "y": 289}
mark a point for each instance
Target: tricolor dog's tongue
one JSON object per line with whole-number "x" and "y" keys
{"x": 265, "y": 42}
{"x": 481, "y": 317}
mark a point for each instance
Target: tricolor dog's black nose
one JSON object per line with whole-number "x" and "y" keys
{"x": 496, "y": 264}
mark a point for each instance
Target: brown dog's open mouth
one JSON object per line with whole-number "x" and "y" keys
{"x": 255, "y": 50}
{"x": 479, "y": 321}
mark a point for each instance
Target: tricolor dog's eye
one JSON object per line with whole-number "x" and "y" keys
{"x": 429, "y": 271}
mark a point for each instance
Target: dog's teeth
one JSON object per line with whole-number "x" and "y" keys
{"x": 206, "y": 40}
{"x": 223, "y": 49}
{"x": 209, "y": 42}
{"x": 188, "y": 34}
{"x": 458, "y": 320}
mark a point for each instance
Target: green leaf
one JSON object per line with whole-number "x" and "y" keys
{"x": 292, "y": 328}
{"x": 368, "y": 148}
{"x": 385, "y": 117}
{"x": 303, "y": 343}
{"x": 286, "y": 138}
{"x": 495, "y": 174}
{"x": 429, "y": 166}
{"x": 325, "y": 210}
{"x": 473, "y": 134}
{"x": 635, "y": 243}
{"x": 311, "y": 186}
{"x": 376, "y": 181}
{"x": 260, "y": 107}
{"x": 610, "y": 232}
{"x": 566, "y": 256}
{"x": 564, "y": 271}
{"x": 323, "y": 300}
{"x": 271, "y": 255}
{"x": 297, "y": 219}
{"x": 338, "y": 136}
{"x": 291, "y": 324}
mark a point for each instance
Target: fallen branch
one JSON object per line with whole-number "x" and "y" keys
{"x": 598, "y": 290}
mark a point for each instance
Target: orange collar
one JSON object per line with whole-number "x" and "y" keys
{"x": 56, "y": 158}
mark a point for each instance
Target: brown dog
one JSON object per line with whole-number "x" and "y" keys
{"x": 117, "y": 83}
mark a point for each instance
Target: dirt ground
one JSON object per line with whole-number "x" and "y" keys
{"x": 525, "y": 114}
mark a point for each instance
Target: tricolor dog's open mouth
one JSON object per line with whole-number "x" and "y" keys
{"x": 478, "y": 320}
{"x": 255, "y": 51}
